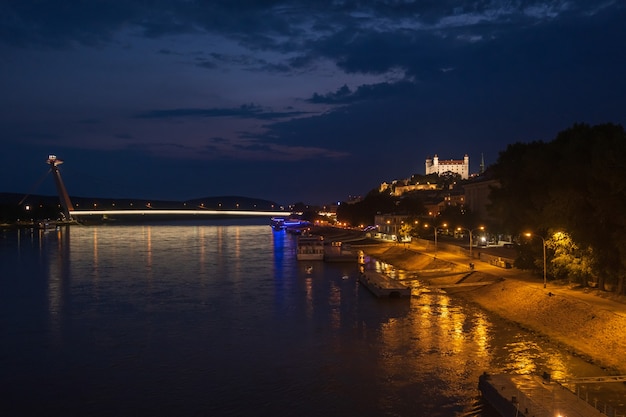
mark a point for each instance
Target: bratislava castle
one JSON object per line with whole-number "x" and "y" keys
{"x": 441, "y": 166}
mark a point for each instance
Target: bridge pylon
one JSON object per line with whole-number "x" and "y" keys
{"x": 66, "y": 204}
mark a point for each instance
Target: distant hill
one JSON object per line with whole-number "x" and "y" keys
{"x": 86, "y": 203}
{"x": 234, "y": 203}
{"x": 14, "y": 198}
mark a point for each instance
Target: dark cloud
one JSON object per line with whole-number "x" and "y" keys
{"x": 247, "y": 62}
{"x": 244, "y": 111}
{"x": 55, "y": 22}
{"x": 60, "y": 23}
{"x": 360, "y": 37}
{"x": 366, "y": 92}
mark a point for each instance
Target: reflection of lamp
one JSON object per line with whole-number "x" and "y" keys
{"x": 543, "y": 241}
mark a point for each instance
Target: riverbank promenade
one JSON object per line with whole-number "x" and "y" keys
{"x": 590, "y": 322}
{"x": 460, "y": 258}
{"x": 599, "y": 299}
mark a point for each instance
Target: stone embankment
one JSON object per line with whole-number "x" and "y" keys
{"x": 585, "y": 324}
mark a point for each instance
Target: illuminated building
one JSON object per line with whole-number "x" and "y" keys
{"x": 455, "y": 166}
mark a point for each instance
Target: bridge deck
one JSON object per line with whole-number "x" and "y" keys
{"x": 150, "y": 212}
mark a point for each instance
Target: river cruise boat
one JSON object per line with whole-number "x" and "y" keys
{"x": 310, "y": 248}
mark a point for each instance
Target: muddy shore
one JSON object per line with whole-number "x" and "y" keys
{"x": 587, "y": 326}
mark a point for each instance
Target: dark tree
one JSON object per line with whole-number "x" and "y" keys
{"x": 458, "y": 216}
{"x": 374, "y": 203}
{"x": 574, "y": 184}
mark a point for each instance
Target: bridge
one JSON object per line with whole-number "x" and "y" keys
{"x": 143, "y": 212}
{"x": 71, "y": 214}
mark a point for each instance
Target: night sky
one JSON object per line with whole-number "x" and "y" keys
{"x": 292, "y": 101}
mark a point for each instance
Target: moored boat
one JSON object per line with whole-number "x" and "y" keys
{"x": 310, "y": 248}
{"x": 339, "y": 252}
{"x": 533, "y": 396}
{"x": 291, "y": 225}
{"x": 382, "y": 286}
{"x": 278, "y": 223}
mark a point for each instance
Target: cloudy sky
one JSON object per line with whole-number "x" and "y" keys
{"x": 310, "y": 100}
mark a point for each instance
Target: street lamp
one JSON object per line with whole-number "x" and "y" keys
{"x": 436, "y": 228}
{"x": 471, "y": 232}
{"x": 543, "y": 241}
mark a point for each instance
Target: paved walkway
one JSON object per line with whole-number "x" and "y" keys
{"x": 589, "y": 296}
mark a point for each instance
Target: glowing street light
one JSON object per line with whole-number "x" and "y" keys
{"x": 471, "y": 243}
{"x": 543, "y": 241}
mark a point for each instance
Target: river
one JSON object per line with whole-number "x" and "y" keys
{"x": 220, "y": 319}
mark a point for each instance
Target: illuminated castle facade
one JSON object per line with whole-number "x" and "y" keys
{"x": 442, "y": 166}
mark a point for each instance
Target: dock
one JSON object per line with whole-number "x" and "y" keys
{"x": 383, "y": 286}
{"x": 532, "y": 396}
{"x": 339, "y": 251}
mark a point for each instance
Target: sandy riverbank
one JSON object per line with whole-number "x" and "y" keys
{"x": 597, "y": 334}
{"x": 582, "y": 326}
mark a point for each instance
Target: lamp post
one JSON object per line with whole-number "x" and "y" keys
{"x": 471, "y": 232}
{"x": 543, "y": 242}
{"x": 436, "y": 228}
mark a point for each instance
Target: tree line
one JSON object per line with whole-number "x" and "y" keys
{"x": 570, "y": 194}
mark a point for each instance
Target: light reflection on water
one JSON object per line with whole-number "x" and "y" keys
{"x": 222, "y": 320}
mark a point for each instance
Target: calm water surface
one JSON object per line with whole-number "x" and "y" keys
{"x": 221, "y": 320}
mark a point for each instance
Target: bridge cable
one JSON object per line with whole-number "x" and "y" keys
{"x": 32, "y": 190}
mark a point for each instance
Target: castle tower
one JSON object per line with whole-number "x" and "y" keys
{"x": 432, "y": 165}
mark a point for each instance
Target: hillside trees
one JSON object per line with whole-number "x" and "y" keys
{"x": 374, "y": 203}
{"x": 574, "y": 184}
{"x": 458, "y": 216}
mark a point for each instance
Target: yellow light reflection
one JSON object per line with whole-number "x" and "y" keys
{"x": 148, "y": 238}
{"x": 334, "y": 300}
{"x": 95, "y": 252}
{"x": 480, "y": 335}
{"x": 308, "y": 285}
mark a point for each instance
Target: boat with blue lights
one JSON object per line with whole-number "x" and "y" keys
{"x": 277, "y": 223}
{"x": 291, "y": 225}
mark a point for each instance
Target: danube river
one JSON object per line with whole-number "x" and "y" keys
{"x": 221, "y": 320}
